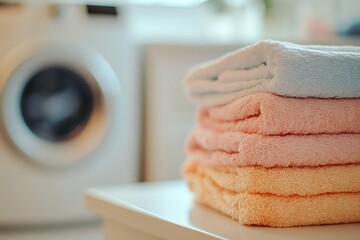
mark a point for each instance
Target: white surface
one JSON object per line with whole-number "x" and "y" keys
{"x": 167, "y": 210}
{"x": 92, "y": 232}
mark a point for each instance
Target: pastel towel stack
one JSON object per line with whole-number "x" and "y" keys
{"x": 264, "y": 156}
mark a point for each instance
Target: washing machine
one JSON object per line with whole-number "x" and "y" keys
{"x": 70, "y": 96}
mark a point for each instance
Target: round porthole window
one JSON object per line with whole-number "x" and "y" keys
{"x": 56, "y": 103}
{"x": 58, "y": 100}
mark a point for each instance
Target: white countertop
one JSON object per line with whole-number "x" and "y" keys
{"x": 167, "y": 210}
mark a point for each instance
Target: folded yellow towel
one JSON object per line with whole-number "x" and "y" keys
{"x": 277, "y": 211}
{"x": 280, "y": 180}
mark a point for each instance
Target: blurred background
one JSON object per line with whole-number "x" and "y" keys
{"x": 91, "y": 92}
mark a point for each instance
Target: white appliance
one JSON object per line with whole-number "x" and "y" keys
{"x": 70, "y": 110}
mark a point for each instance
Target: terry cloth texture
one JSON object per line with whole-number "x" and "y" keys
{"x": 241, "y": 149}
{"x": 274, "y": 210}
{"x": 282, "y": 68}
{"x": 278, "y": 134}
{"x": 288, "y": 181}
{"x": 269, "y": 114}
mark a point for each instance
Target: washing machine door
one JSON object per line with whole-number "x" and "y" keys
{"x": 56, "y": 100}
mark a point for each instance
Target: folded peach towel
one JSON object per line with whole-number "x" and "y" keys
{"x": 241, "y": 149}
{"x": 276, "y": 211}
{"x": 269, "y": 114}
{"x": 281, "y": 181}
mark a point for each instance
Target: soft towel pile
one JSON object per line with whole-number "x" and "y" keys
{"x": 277, "y": 141}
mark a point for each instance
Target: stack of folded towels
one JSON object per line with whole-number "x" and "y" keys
{"x": 277, "y": 141}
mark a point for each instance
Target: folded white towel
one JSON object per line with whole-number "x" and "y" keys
{"x": 282, "y": 68}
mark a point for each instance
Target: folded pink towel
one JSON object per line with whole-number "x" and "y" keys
{"x": 241, "y": 149}
{"x": 269, "y": 114}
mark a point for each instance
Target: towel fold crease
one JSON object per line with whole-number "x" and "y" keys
{"x": 302, "y": 181}
{"x": 241, "y": 149}
{"x": 282, "y": 68}
{"x": 276, "y": 211}
{"x": 269, "y": 114}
